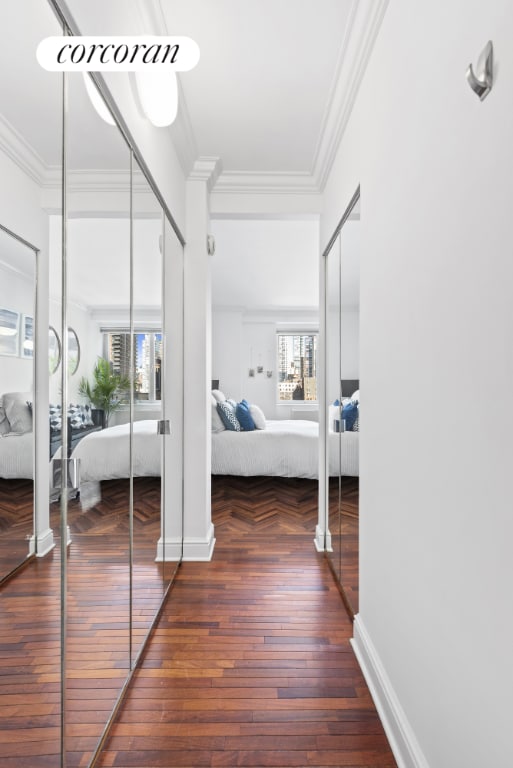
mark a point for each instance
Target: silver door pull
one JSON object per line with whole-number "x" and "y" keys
{"x": 164, "y": 427}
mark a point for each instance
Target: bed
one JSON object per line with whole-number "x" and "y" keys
{"x": 287, "y": 448}
{"x": 105, "y": 455}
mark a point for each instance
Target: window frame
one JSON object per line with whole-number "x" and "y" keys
{"x": 300, "y": 331}
{"x": 149, "y": 331}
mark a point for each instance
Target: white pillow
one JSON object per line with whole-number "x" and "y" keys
{"x": 17, "y": 411}
{"x": 217, "y": 422}
{"x": 4, "y": 424}
{"x": 218, "y": 395}
{"x": 355, "y": 397}
{"x": 258, "y": 416}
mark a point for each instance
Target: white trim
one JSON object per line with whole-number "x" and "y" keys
{"x": 45, "y": 542}
{"x": 194, "y": 549}
{"x": 266, "y": 183}
{"x": 403, "y": 742}
{"x": 319, "y": 539}
{"x": 360, "y": 35}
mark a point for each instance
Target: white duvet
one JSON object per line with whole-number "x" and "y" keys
{"x": 16, "y": 455}
{"x": 283, "y": 449}
{"x": 287, "y": 448}
{"x": 105, "y": 455}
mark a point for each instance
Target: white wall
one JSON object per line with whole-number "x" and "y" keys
{"x": 242, "y": 340}
{"x": 436, "y": 172}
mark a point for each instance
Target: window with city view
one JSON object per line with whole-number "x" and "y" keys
{"x": 297, "y": 366}
{"x": 147, "y": 357}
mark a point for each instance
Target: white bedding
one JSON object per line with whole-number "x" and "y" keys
{"x": 105, "y": 455}
{"x": 287, "y": 448}
{"x": 16, "y": 455}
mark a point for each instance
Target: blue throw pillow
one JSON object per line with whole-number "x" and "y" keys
{"x": 350, "y": 414}
{"x": 244, "y": 416}
{"x": 228, "y": 417}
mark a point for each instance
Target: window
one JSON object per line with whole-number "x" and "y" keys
{"x": 297, "y": 366}
{"x": 148, "y": 361}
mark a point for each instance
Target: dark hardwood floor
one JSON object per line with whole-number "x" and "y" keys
{"x": 250, "y": 664}
{"x": 98, "y": 626}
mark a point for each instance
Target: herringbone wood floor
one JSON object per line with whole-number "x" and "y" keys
{"x": 250, "y": 664}
{"x": 16, "y": 522}
{"x": 98, "y": 627}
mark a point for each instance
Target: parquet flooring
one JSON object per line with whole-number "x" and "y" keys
{"x": 250, "y": 664}
{"x": 98, "y": 626}
{"x": 16, "y": 522}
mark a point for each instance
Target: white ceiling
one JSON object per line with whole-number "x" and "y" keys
{"x": 262, "y": 99}
{"x": 260, "y": 93}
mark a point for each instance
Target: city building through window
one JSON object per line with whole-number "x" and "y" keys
{"x": 297, "y": 366}
{"x": 147, "y": 359}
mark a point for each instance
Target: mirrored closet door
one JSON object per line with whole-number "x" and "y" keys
{"x": 342, "y": 310}
{"x": 96, "y": 366}
{"x": 17, "y": 423}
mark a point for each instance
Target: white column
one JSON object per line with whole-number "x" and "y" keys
{"x": 198, "y": 529}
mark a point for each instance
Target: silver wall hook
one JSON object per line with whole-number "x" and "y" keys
{"x": 482, "y": 82}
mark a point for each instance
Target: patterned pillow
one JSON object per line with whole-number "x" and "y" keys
{"x": 217, "y": 423}
{"x": 55, "y": 418}
{"x": 4, "y": 422}
{"x": 356, "y": 425}
{"x": 228, "y": 417}
{"x": 80, "y": 416}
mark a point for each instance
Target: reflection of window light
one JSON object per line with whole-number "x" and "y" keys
{"x": 97, "y": 101}
{"x": 28, "y": 344}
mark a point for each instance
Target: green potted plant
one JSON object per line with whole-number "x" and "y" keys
{"x": 109, "y": 390}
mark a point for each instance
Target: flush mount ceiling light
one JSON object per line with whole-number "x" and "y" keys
{"x": 158, "y": 93}
{"x": 96, "y": 100}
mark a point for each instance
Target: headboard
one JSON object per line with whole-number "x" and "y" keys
{"x": 348, "y": 386}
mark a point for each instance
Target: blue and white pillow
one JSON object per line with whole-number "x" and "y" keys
{"x": 228, "y": 417}
{"x": 350, "y": 414}
{"x": 244, "y": 416}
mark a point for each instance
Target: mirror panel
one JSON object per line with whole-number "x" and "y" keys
{"x": 17, "y": 447}
{"x": 96, "y": 400}
{"x": 333, "y": 331}
{"x": 148, "y": 345}
{"x": 342, "y": 307}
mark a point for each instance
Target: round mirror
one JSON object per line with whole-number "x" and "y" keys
{"x": 73, "y": 352}
{"x": 54, "y": 349}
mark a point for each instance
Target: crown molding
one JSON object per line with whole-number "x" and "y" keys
{"x": 266, "y": 183}
{"x": 206, "y": 169}
{"x": 20, "y": 152}
{"x": 362, "y": 29}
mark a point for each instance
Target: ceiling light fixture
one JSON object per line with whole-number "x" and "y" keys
{"x": 158, "y": 93}
{"x": 97, "y": 101}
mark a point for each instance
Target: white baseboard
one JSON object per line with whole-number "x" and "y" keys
{"x": 194, "y": 549}
{"x": 319, "y": 540}
{"x": 403, "y": 742}
{"x": 45, "y": 542}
